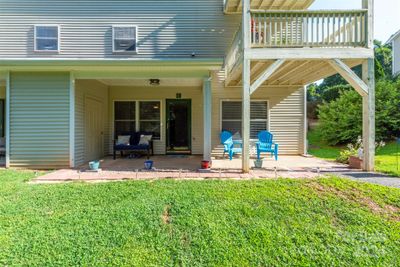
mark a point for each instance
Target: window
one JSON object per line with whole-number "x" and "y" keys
{"x": 46, "y": 38}
{"x": 125, "y": 117}
{"x": 231, "y": 117}
{"x": 131, "y": 116}
{"x": 149, "y": 118}
{"x": 125, "y": 39}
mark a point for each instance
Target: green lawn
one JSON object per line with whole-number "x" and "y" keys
{"x": 319, "y": 149}
{"x": 386, "y": 157}
{"x": 325, "y": 222}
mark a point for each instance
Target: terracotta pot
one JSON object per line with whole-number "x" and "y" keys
{"x": 355, "y": 162}
{"x": 205, "y": 164}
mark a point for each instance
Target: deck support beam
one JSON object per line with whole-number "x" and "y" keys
{"x": 350, "y": 76}
{"x": 368, "y": 70}
{"x": 246, "y": 22}
{"x": 207, "y": 109}
{"x": 266, "y": 75}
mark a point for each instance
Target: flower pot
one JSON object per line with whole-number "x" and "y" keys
{"x": 355, "y": 162}
{"x": 94, "y": 165}
{"x": 205, "y": 164}
{"x": 258, "y": 163}
{"x": 148, "y": 164}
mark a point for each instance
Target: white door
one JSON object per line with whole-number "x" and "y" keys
{"x": 93, "y": 130}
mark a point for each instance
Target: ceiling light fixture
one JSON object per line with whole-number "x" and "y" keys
{"x": 154, "y": 82}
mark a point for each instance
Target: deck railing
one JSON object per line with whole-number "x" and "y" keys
{"x": 346, "y": 28}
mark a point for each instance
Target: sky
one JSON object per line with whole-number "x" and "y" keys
{"x": 387, "y": 14}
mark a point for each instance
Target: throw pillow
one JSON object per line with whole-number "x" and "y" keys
{"x": 123, "y": 140}
{"x": 144, "y": 139}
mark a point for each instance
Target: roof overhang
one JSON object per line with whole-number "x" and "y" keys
{"x": 393, "y": 37}
{"x": 117, "y": 68}
{"x": 235, "y": 6}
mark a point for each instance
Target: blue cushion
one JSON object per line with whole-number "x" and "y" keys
{"x": 131, "y": 147}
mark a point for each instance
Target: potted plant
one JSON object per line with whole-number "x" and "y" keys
{"x": 205, "y": 164}
{"x": 148, "y": 164}
{"x": 94, "y": 165}
{"x": 353, "y": 154}
{"x": 258, "y": 163}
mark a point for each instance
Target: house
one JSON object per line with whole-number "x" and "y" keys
{"x": 395, "y": 42}
{"x": 76, "y": 74}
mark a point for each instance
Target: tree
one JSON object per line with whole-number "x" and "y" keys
{"x": 341, "y": 119}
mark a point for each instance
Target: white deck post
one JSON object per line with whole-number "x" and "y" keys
{"x": 7, "y": 108}
{"x": 72, "y": 120}
{"x": 369, "y": 5}
{"x": 369, "y": 100}
{"x": 246, "y": 28}
{"x": 207, "y": 108}
{"x": 369, "y": 116}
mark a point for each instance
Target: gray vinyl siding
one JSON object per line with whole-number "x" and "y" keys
{"x": 98, "y": 91}
{"x": 167, "y": 28}
{"x": 39, "y": 120}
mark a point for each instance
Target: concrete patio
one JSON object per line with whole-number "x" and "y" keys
{"x": 187, "y": 167}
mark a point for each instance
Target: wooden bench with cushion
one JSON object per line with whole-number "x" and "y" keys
{"x": 131, "y": 142}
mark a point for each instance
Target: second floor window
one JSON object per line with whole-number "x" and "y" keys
{"x": 46, "y": 38}
{"x": 125, "y": 39}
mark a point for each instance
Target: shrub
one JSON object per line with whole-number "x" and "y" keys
{"x": 341, "y": 119}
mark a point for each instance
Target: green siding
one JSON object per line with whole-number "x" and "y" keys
{"x": 39, "y": 120}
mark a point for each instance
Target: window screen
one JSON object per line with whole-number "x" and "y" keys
{"x": 232, "y": 117}
{"x": 124, "y": 39}
{"x": 46, "y": 38}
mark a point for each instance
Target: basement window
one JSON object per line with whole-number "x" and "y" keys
{"x": 125, "y": 39}
{"x": 231, "y": 117}
{"x": 46, "y": 38}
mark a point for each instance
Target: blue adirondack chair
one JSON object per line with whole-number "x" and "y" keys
{"x": 229, "y": 146}
{"x": 265, "y": 144}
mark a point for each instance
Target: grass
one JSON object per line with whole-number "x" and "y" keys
{"x": 324, "y": 222}
{"x": 385, "y": 160}
{"x": 388, "y": 159}
{"x": 320, "y": 149}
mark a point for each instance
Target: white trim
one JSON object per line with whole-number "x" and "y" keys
{"x": 7, "y": 130}
{"x": 35, "y": 37}
{"x": 308, "y": 53}
{"x": 240, "y": 100}
{"x": 137, "y": 115}
{"x": 207, "y": 118}
{"x": 71, "y": 120}
{"x": 136, "y": 51}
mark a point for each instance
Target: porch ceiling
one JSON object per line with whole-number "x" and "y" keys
{"x": 166, "y": 82}
{"x": 235, "y": 6}
{"x": 291, "y": 73}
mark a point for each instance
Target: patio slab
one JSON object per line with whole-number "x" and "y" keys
{"x": 186, "y": 167}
